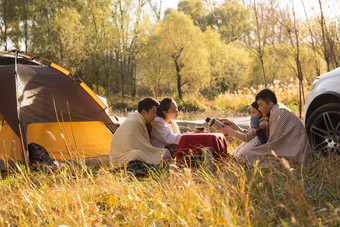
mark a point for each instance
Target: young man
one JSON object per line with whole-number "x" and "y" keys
{"x": 131, "y": 142}
{"x": 287, "y": 135}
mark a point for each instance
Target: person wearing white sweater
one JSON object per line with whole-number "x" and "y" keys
{"x": 165, "y": 130}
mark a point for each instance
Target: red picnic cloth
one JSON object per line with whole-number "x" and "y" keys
{"x": 193, "y": 142}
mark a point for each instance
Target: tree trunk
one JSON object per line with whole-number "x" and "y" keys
{"x": 48, "y": 33}
{"x": 259, "y": 49}
{"x": 263, "y": 72}
{"x": 134, "y": 92}
{"x": 97, "y": 79}
{"x": 298, "y": 63}
{"x": 323, "y": 33}
{"x": 26, "y": 35}
{"x": 299, "y": 72}
{"x": 179, "y": 86}
{"x": 157, "y": 9}
{"x": 179, "y": 67}
{"x": 106, "y": 68}
{"x": 316, "y": 62}
{"x": 179, "y": 77}
{"x": 122, "y": 76}
{"x": 122, "y": 46}
{"x": 5, "y": 23}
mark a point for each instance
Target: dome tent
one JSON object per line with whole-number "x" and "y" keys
{"x": 44, "y": 104}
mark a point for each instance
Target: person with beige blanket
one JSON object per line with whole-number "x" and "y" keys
{"x": 131, "y": 142}
{"x": 287, "y": 136}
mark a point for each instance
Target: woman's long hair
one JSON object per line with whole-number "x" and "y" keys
{"x": 164, "y": 106}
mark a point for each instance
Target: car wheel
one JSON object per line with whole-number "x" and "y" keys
{"x": 323, "y": 128}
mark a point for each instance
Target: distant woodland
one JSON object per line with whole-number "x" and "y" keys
{"x": 137, "y": 48}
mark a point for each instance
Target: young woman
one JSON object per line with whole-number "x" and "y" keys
{"x": 232, "y": 129}
{"x": 165, "y": 131}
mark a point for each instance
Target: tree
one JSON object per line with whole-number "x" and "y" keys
{"x": 156, "y": 7}
{"x": 179, "y": 41}
{"x": 4, "y": 23}
{"x": 292, "y": 26}
{"x": 334, "y": 40}
{"x": 258, "y": 37}
{"x": 130, "y": 33}
{"x": 324, "y": 33}
{"x": 294, "y": 34}
{"x": 216, "y": 59}
{"x": 98, "y": 42}
{"x": 155, "y": 68}
{"x": 196, "y": 10}
{"x": 228, "y": 64}
{"x": 9, "y": 23}
{"x": 312, "y": 41}
{"x": 231, "y": 20}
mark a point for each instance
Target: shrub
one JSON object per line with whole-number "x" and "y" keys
{"x": 287, "y": 93}
{"x": 191, "y": 103}
{"x": 118, "y": 103}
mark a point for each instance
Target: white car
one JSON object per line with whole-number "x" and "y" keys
{"x": 322, "y": 113}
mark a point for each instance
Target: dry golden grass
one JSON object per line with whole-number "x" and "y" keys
{"x": 232, "y": 196}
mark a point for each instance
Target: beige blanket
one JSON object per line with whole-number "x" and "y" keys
{"x": 287, "y": 139}
{"x": 131, "y": 142}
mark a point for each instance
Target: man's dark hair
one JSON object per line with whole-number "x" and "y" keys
{"x": 266, "y": 95}
{"x": 164, "y": 106}
{"x": 147, "y": 103}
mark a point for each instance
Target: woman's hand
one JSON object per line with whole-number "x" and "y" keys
{"x": 225, "y": 130}
{"x": 229, "y": 123}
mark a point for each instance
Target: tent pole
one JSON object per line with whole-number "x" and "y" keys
{"x": 18, "y": 109}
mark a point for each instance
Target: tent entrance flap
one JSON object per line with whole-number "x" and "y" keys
{"x": 71, "y": 140}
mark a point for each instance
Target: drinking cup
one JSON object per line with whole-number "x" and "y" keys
{"x": 201, "y": 129}
{"x": 255, "y": 121}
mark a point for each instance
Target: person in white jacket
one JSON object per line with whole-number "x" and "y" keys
{"x": 165, "y": 130}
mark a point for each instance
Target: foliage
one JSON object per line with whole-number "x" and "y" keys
{"x": 231, "y": 104}
{"x": 231, "y": 20}
{"x": 205, "y": 46}
{"x": 122, "y": 104}
{"x": 99, "y": 90}
{"x": 184, "y": 59}
{"x": 196, "y": 10}
{"x": 191, "y": 103}
{"x": 240, "y": 100}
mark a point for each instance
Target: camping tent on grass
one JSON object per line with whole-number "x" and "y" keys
{"x": 43, "y": 104}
